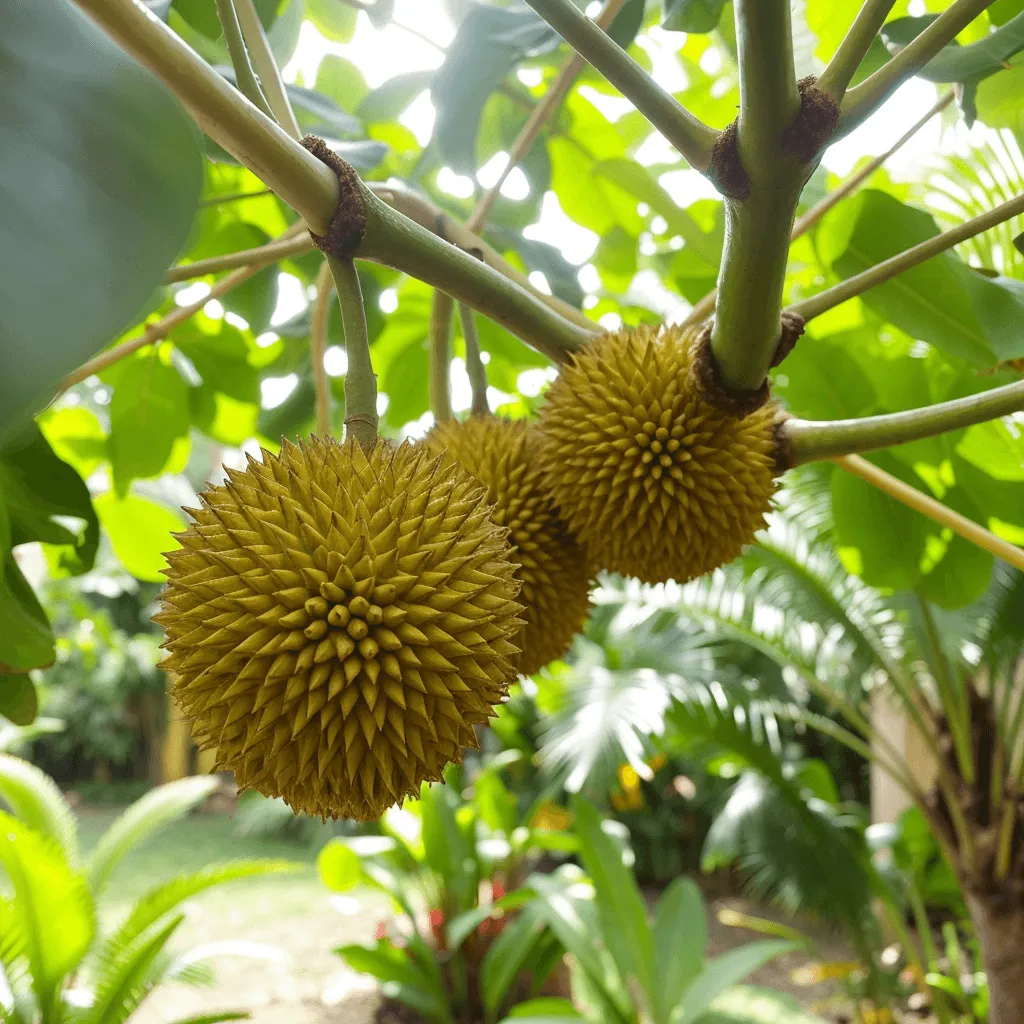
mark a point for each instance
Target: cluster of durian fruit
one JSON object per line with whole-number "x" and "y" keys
{"x": 339, "y": 620}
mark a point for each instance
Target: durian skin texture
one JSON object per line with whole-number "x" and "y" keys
{"x": 657, "y": 482}
{"x": 554, "y": 567}
{"x": 338, "y": 621}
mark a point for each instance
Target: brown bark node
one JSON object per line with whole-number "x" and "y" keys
{"x": 348, "y": 225}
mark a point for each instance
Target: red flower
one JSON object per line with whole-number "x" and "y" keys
{"x": 382, "y": 930}
{"x": 437, "y": 927}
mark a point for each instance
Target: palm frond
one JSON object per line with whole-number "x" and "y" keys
{"x": 157, "y": 809}
{"x": 15, "y": 970}
{"x": 35, "y": 798}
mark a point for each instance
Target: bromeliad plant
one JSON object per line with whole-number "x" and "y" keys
{"x": 462, "y": 948}
{"x": 58, "y": 962}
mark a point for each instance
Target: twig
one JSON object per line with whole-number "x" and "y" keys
{"x": 475, "y": 369}
{"x": 440, "y": 356}
{"x": 360, "y": 380}
{"x": 863, "y": 100}
{"x": 266, "y": 67}
{"x": 808, "y": 440}
{"x": 691, "y": 137}
{"x": 890, "y": 268}
{"x": 706, "y": 306}
{"x": 318, "y": 348}
{"x": 245, "y": 77}
{"x": 293, "y": 242}
{"x": 836, "y": 78}
{"x": 156, "y": 332}
{"x": 235, "y": 197}
{"x": 935, "y": 510}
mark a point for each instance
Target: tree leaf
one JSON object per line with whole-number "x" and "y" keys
{"x": 19, "y": 702}
{"x": 692, "y": 15}
{"x": 680, "y": 938}
{"x": 140, "y": 532}
{"x": 101, "y": 171}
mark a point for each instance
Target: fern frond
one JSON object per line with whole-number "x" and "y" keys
{"x": 36, "y": 799}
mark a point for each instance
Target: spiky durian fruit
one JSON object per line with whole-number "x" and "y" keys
{"x": 656, "y": 481}
{"x": 338, "y": 621}
{"x": 554, "y": 568}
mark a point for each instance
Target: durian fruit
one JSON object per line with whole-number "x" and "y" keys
{"x": 554, "y": 567}
{"x": 338, "y": 621}
{"x": 658, "y": 482}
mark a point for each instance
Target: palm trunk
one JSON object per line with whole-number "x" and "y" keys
{"x": 1001, "y": 936}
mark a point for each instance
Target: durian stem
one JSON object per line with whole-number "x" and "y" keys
{"x": 836, "y": 78}
{"x": 360, "y": 380}
{"x": 863, "y": 100}
{"x": 809, "y": 440}
{"x": 890, "y": 268}
{"x": 245, "y": 77}
{"x": 266, "y": 67}
{"x": 318, "y": 348}
{"x": 475, "y": 369}
{"x": 691, "y": 137}
{"x": 935, "y": 510}
{"x": 440, "y": 356}
{"x": 293, "y": 242}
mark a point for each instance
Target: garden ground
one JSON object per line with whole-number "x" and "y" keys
{"x": 278, "y": 932}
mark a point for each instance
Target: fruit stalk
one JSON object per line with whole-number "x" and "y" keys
{"x": 475, "y": 369}
{"x": 318, "y": 348}
{"x": 360, "y": 380}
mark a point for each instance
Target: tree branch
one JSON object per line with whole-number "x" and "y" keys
{"x": 266, "y": 67}
{"x": 440, "y": 356}
{"x": 836, "y": 78}
{"x": 863, "y": 100}
{"x": 360, "y": 380}
{"x": 245, "y": 77}
{"x": 890, "y": 268}
{"x": 475, "y": 369}
{"x": 318, "y": 348}
{"x": 293, "y": 242}
{"x": 809, "y": 440}
{"x": 691, "y": 137}
{"x": 934, "y": 510}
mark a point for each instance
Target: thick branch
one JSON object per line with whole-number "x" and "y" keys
{"x": 318, "y": 348}
{"x": 890, "y": 268}
{"x": 863, "y": 100}
{"x": 836, "y": 78}
{"x": 245, "y": 77}
{"x": 266, "y": 67}
{"x": 808, "y": 440}
{"x": 302, "y": 181}
{"x": 360, "y": 380}
{"x": 691, "y": 137}
{"x": 440, "y": 356}
{"x": 475, "y": 369}
{"x": 934, "y": 510}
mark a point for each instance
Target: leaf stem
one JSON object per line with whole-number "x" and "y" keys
{"x": 863, "y": 100}
{"x": 441, "y": 356}
{"x": 691, "y": 137}
{"x": 890, "y": 268}
{"x": 245, "y": 77}
{"x": 836, "y": 78}
{"x": 360, "y": 380}
{"x": 292, "y": 243}
{"x": 318, "y": 348}
{"x": 475, "y": 369}
{"x": 809, "y": 440}
{"x": 266, "y": 67}
{"x": 934, "y": 510}
{"x": 298, "y": 177}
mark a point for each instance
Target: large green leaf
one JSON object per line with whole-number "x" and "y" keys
{"x": 680, "y": 938}
{"x": 506, "y": 957}
{"x": 101, "y": 173}
{"x": 692, "y": 15}
{"x": 140, "y": 532}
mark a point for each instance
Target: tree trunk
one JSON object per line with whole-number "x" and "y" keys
{"x": 1001, "y": 936}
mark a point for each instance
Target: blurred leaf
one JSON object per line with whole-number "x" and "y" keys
{"x": 388, "y": 101}
{"x": 140, "y": 532}
{"x": 336, "y": 20}
{"x": 101, "y": 171}
{"x": 680, "y": 939}
{"x": 76, "y": 437}
{"x": 19, "y": 702}
{"x": 999, "y": 98}
{"x": 506, "y": 957}
{"x": 342, "y": 81}
{"x": 339, "y": 866}
{"x": 692, "y": 15}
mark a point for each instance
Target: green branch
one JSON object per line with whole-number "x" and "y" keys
{"x": 360, "y": 380}
{"x": 266, "y": 66}
{"x": 318, "y": 327}
{"x": 245, "y": 78}
{"x": 691, "y": 137}
{"x": 291, "y": 243}
{"x": 441, "y": 356}
{"x": 863, "y": 100}
{"x": 475, "y": 369}
{"x": 809, "y": 440}
{"x": 890, "y": 268}
{"x": 836, "y": 78}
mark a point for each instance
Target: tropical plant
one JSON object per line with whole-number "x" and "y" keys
{"x": 453, "y": 866}
{"x": 59, "y": 961}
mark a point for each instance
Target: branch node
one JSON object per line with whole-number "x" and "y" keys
{"x": 345, "y": 234}
{"x": 793, "y": 327}
{"x": 726, "y": 171}
{"x": 814, "y": 126}
{"x": 708, "y": 378}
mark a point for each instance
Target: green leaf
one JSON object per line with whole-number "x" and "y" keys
{"x": 337, "y": 21}
{"x": 623, "y": 916}
{"x": 547, "y": 1009}
{"x": 215, "y": 1018}
{"x": 388, "y": 101}
{"x": 55, "y": 914}
{"x": 101, "y": 172}
{"x": 76, "y": 437}
{"x": 19, "y": 702}
{"x": 25, "y": 638}
{"x": 506, "y": 957}
{"x": 727, "y": 970}
{"x": 692, "y": 15}
{"x": 745, "y": 1004}
{"x": 998, "y": 98}
{"x": 339, "y": 866}
{"x": 680, "y": 938}
{"x": 140, "y": 532}
{"x": 342, "y": 81}
{"x": 156, "y": 810}
{"x": 35, "y": 799}
{"x": 395, "y": 967}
